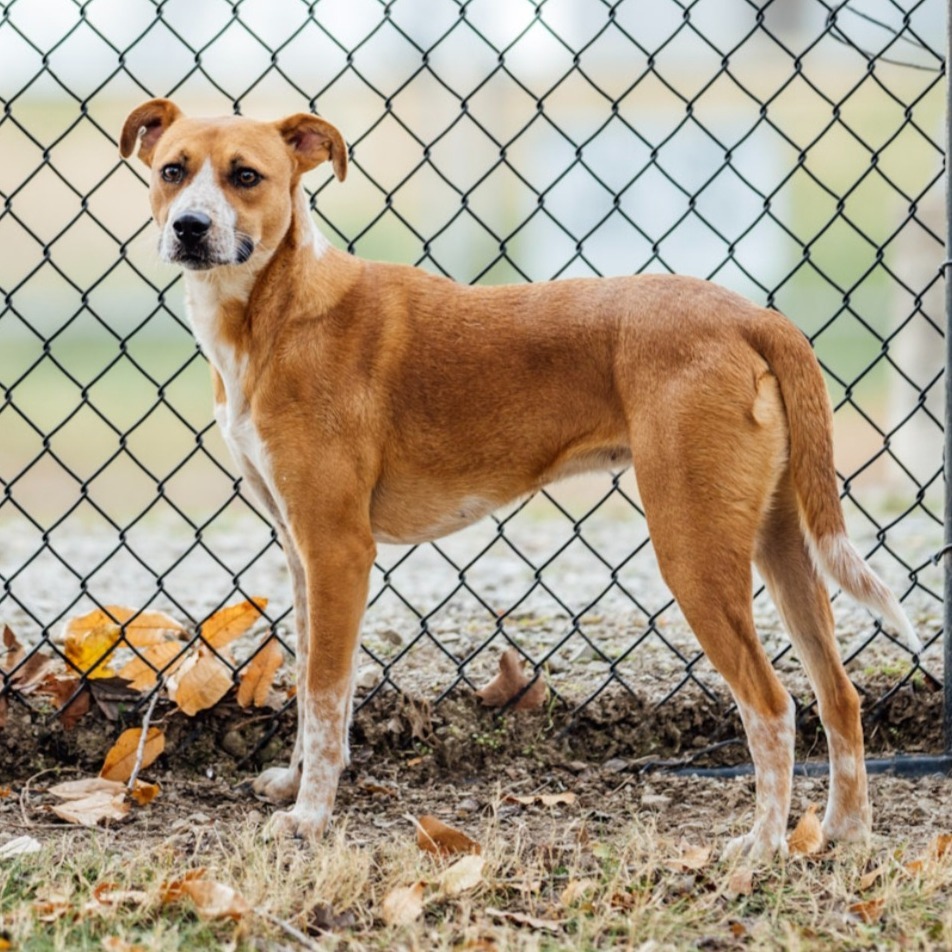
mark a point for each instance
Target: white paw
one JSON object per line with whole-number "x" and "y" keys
{"x": 848, "y": 829}
{"x": 757, "y": 846}
{"x": 277, "y": 784}
{"x": 303, "y": 824}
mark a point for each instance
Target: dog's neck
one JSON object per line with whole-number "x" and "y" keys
{"x": 302, "y": 275}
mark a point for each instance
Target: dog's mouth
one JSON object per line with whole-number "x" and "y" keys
{"x": 200, "y": 256}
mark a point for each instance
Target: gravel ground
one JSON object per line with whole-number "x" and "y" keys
{"x": 475, "y": 591}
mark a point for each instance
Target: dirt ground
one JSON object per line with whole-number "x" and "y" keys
{"x": 458, "y": 761}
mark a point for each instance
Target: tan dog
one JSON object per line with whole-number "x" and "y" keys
{"x": 366, "y": 401}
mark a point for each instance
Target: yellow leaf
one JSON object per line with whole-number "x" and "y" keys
{"x": 232, "y": 621}
{"x": 807, "y": 837}
{"x": 142, "y": 629}
{"x": 259, "y": 675}
{"x": 163, "y": 658}
{"x": 199, "y": 684}
{"x": 89, "y": 649}
{"x": 434, "y": 836}
{"x": 868, "y": 879}
{"x": 402, "y": 905}
{"x": 121, "y": 759}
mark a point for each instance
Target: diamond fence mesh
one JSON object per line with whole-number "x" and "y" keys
{"x": 791, "y": 150}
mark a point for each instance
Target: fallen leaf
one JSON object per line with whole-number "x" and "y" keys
{"x": 215, "y": 900}
{"x": 12, "y": 653}
{"x": 89, "y": 650}
{"x": 231, "y": 622}
{"x": 869, "y": 911}
{"x": 143, "y": 671}
{"x": 870, "y": 878}
{"x": 144, "y": 793}
{"x": 576, "y": 890}
{"x": 53, "y": 907}
{"x": 141, "y": 627}
{"x": 114, "y": 943}
{"x": 111, "y": 894}
{"x": 512, "y": 682}
{"x": 465, "y": 874}
{"x": 738, "y": 929}
{"x": 807, "y": 837}
{"x": 402, "y": 905}
{"x": 259, "y": 675}
{"x": 173, "y": 890}
{"x": 121, "y": 758}
{"x": 80, "y": 789}
{"x": 940, "y": 845}
{"x": 544, "y": 799}
{"x": 434, "y": 836}
{"x": 690, "y": 857}
{"x": 379, "y": 789}
{"x": 92, "y": 810}
{"x": 20, "y": 846}
{"x": 200, "y": 683}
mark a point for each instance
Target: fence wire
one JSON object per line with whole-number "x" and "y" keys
{"x": 791, "y": 150}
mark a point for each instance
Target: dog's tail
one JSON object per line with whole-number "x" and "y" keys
{"x": 810, "y": 424}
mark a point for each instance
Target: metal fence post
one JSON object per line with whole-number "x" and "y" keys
{"x": 947, "y": 608}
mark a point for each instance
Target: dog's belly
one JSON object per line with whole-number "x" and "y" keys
{"x": 412, "y": 511}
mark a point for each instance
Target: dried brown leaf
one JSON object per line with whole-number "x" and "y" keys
{"x": 690, "y": 857}
{"x": 200, "y": 683}
{"x": 434, "y": 836}
{"x": 807, "y": 837}
{"x": 121, "y": 758}
{"x": 143, "y": 671}
{"x": 465, "y": 874}
{"x": 231, "y": 622}
{"x": 214, "y": 900}
{"x": 111, "y": 894}
{"x": 402, "y": 905}
{"x": 869, "y": 911}
{"x": 869, "y": 879}
{"x": 172, "y": 890}
{"x": 92, "y": 810}
{"x": 12, "y": 653}
{"x": 258, "y": 677}
{"x": 510, "y": 682}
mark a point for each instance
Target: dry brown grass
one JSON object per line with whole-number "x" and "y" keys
{"x": 556, "y": 878}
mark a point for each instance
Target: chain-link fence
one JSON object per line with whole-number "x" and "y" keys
{"x": 790, "y": 149}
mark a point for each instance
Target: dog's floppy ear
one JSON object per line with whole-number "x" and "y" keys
{"x": 146, "y": 123}
{"x": 312, "y": 141}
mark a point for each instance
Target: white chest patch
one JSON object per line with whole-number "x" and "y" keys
{"x": 234, "y": 414}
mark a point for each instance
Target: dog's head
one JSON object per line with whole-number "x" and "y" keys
{"x": 223, "y": 189}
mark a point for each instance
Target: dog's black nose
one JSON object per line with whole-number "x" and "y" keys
{"x": 192, "y": 226}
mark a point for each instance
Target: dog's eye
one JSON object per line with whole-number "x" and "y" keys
{"x": 173, "y": 173}
{"x": 247, "y": 178}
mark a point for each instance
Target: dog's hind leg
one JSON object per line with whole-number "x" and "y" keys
{"x": 706, "y": 467}
{"x": 801, "y": 598}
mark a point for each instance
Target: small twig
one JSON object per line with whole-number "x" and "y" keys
{"x": 140, "y": 751}
{"x": 292, "y": 931}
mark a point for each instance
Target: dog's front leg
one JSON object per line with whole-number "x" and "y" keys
{"x": 337, "y": 556}
{"x": 281, "y": 784}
